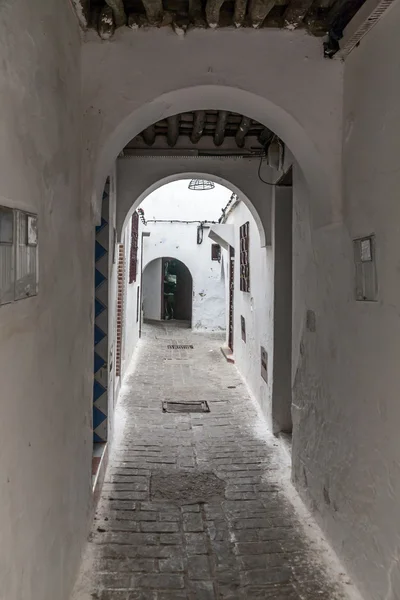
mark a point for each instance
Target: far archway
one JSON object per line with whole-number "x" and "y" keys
{"x": 167, "y": 291}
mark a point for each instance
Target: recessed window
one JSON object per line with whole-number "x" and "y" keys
{"x": 18, "y": 255}
{"x": 364, "y": 258}
{"x": 244, "y": 257}
{"x": 216, "y": 252}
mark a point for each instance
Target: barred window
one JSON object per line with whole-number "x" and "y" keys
{"x": 244, "y": 257}
{"x": 216, "y": 252}
{"x": 134, "y": 247}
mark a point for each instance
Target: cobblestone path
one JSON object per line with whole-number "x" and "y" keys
{"x": 192, "y": 507}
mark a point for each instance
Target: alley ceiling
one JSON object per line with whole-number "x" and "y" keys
{"x": 203, "y": 130}
{"x": 319, "y": 17}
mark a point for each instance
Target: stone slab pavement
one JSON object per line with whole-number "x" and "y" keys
{"x": 193, "y": 507}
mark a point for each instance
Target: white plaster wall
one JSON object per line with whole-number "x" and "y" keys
{"x": 360, "y": 470}
{"x": 152, "y": 290}
{"x": 256, "y": 307}
{"x": 277, "y": 77}
{"x": 138, "y": 177}
{"x": 46, "y": 342}
{"x": 131, "y": 323}
{"x": 178, "y": 240}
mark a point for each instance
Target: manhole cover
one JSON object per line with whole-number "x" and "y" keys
{"x": 180, "y": 347}
{"x": 186, "y": 487}
{"x": 185, "y": 407}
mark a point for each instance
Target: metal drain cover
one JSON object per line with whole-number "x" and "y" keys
{"x": 180, "y": 347}
{"x": 185, "y": 407}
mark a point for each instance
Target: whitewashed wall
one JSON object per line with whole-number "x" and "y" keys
{"x": 131, "y": 315}
{"x": 348, "y": 456}
{"x": 175, "y": 201}
{"x": 178, "y": 241}
{"x": 256, "y": 307}
{"x": 46, "y": 342}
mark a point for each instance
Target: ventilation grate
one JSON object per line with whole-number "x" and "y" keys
{"x": 185, "y": 407}
{"x": 377, "y": 9}
{"x": 180, "y": 347}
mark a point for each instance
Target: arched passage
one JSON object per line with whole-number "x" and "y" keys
{"x": 323, "y": 189}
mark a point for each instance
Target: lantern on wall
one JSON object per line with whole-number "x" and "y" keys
{"x": 276, "y": 154}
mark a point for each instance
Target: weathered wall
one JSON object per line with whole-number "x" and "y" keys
{"x": 139, "y": 176}
{"x": 346, "y": 455}
{"x": 133, "y": 81}
{"x": 179, "y": 240}
{"x": 256, "y": 307}
{"x": 131, "y": 318}
{"x": 46, "y": 342}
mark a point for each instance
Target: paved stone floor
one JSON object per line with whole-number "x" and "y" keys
{"x": 192, "y": 505}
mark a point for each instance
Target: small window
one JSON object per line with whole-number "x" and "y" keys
{"x": 18, "y": 255}
{"x": 244, "y": 257}
{"x": 364, "y": 258}
{"x": 26, "y": 256}
{"x": 7, "y": 267}
{"x": 216, "y": 252}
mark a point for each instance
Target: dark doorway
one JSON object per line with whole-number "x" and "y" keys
{"x": 231, "y": 294}
{"x": 177, "y": 291}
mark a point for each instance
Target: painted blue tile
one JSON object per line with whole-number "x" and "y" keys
{"x": 98, "y": 278}
{"x": 98, "y": 307}
{"x": 99, "y": 251}
{"x": 98, "y": 390}
{"x": 98, "y": 334}
{"x": 98, "y": 417}
{"x": 98, "y": 362}
{"x": 98, "y": 439}
{"x": 102, "y": 225}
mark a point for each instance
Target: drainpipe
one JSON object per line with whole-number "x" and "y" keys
{"x": 144, "y": 234}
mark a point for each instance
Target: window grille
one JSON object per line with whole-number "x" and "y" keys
{"x": 134, "y": 247}
{"x": 18, "y": 255}
{"x": 216, "y": 252}
{"x": 244, "y": 257}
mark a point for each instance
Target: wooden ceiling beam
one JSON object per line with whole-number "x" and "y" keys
{"x": 240, "y": 12}
{"x": 220, "y": 127}
{"x": 296, "y": 12}
{"x": 154, "y": 11}
{"x": 242, "y": 131}
{"x": 259, "y": 10}
{"x": 213, "y": 8}
{"x": 106, "y": 24}
{"x": 173, "y": 130}
{"x": 117, "y": 6}
{"x": 198, "y": 126}
{"x": 149, "y": 135}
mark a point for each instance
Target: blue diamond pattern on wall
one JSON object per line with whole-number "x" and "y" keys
{"x": 98, "y": 390}
{"x": 98, "y": 335}
{"x": 98, "y": 417}
{"x": 100, "y": 376}
{"x": 98, "y": 307}
{"x": 98, "y": 278}
{"x": 99, "y": 251}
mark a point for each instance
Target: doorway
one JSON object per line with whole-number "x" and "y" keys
{"x": 176, "y": 291}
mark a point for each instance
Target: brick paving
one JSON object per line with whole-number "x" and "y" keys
{"x": 191, "y": 507}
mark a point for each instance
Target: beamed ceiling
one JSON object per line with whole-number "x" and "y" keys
{"x": 319, "y": 17}
{"x": 202, "y": 132}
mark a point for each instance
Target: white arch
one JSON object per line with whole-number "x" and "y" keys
{"x": 264, "y": 235}
{"x": 323, "y": 191}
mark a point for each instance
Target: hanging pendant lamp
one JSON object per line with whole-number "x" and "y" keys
{"x": 201, "y": 185}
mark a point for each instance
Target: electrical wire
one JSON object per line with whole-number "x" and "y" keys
{"x": 259, "y": 174}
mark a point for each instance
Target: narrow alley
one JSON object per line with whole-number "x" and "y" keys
{"x": 193, "y": 505}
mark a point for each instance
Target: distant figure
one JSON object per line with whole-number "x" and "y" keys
{"x": 169, "y": 295}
